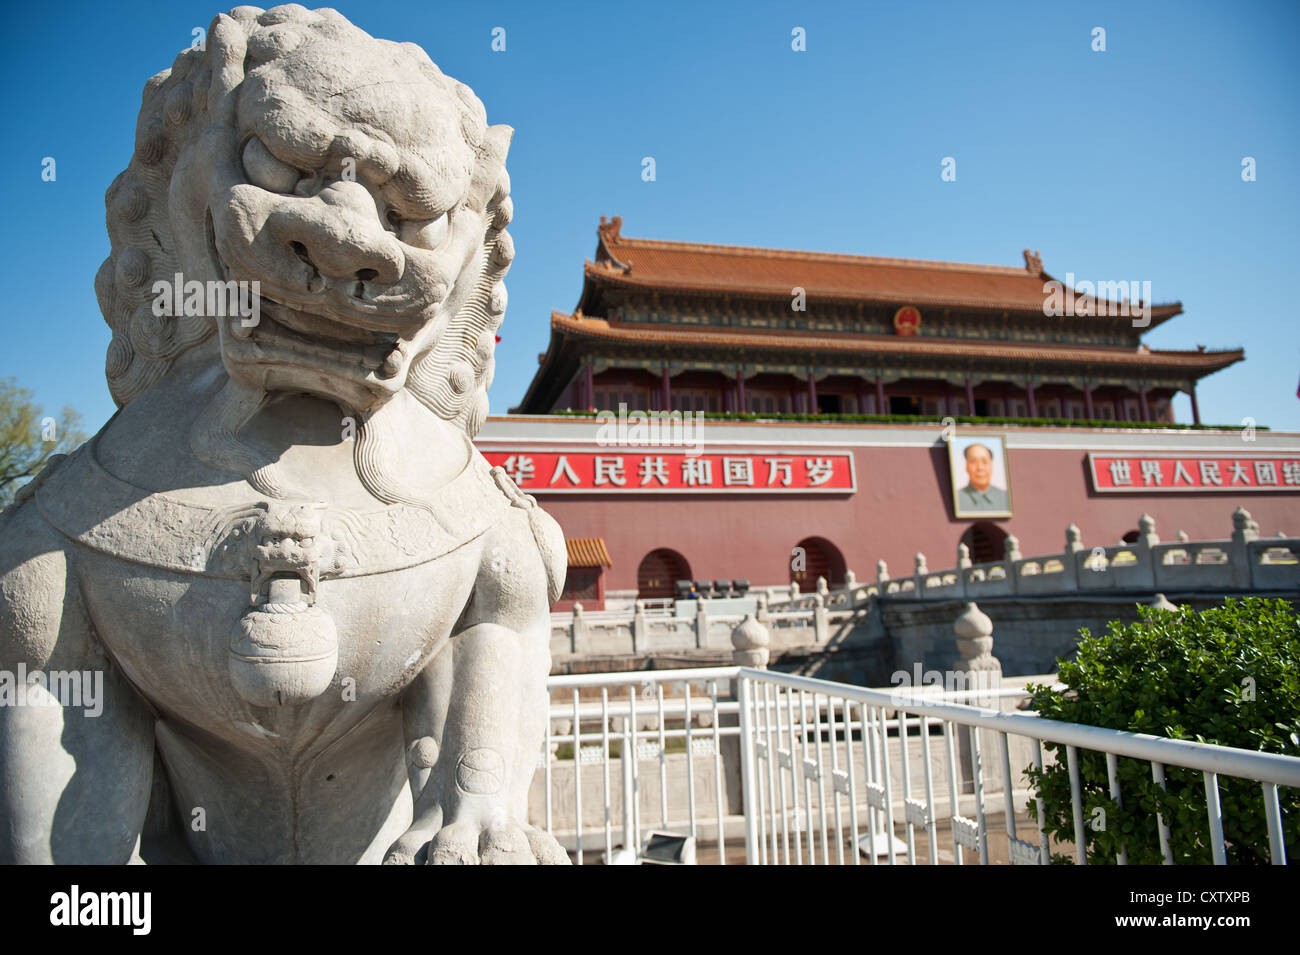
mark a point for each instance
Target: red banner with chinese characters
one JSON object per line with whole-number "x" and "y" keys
{"x": 655, "y": 471}
{"x": 1158, "y": 473}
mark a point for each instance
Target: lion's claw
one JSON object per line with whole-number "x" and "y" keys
{"x": 545, "y": 849}
{"x": 411, "y": 849}
{"x": 502, "y": 844}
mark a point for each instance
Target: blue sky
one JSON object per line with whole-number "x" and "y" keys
{"x": 1117, "y": 165}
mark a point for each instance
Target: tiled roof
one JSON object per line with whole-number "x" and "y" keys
{"x": 702, "y": 268}
{"x": 731, "y": 338}
{"x": 587, "y": 552}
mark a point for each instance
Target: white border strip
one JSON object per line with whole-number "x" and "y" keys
{"x": 496, "y": 448}
{"x": 1173, "y": 489}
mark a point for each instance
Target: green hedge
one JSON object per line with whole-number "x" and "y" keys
{"x": 1228, "y": 675}
{"x": 937, "y": 421}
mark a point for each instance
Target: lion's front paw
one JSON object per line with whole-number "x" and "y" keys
{"x": 503, "y": 844}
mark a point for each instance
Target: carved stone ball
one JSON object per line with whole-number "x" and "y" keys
{"x": 750, "y": 640}
{"x": 749, "y": 634}
{"x": 424, "y": 752}
{"x": 283, "y": 658}
{"x": 1161, "y": 602}
{"x": 972, "y": 623}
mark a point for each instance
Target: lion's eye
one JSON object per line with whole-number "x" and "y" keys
{"x": 425, "y": 234}
{"x": 265, "y": 171}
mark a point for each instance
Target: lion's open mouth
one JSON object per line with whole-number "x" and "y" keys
{"x": 304, "y": 332}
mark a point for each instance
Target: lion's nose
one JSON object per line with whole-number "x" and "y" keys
{"x": 339, "y": 234}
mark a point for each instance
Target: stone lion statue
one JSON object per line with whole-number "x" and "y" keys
{"x": 319, "y": 618}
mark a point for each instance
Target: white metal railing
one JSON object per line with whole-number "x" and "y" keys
{"x": 795, "y": 737}
{"x": 624, "y": 700}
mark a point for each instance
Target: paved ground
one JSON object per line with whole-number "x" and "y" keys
{"x": 997, "y": 841}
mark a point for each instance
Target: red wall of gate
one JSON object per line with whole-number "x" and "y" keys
{"x": 903, "y": 505}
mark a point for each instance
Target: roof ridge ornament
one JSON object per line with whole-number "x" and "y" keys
{"x": 609, "y": 229}
{"x": 608, "y": 232}
{"x": 1033, "y": 262}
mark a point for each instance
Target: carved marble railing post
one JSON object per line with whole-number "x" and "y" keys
{"x": 750, "y": 642}
{"x": 701, "y": 624}
{"x": 978, "y": 669}
{"x": 1147, "y": 536}
{"x": 1011, "y": 549}
{"x": 577, "y": 629}
{"x": 1244, "y": 530}
{"x": 963, "y": 557}
{"x": 794, "y": 590}
{"x": 1184, "y": 537}
{"x": 850, "y": 581}
{"x": 639, "y": 633}
{"x": 882, "y": 573}
{"x": 919, "y": 572}
{"x": 760, "y": 612}
{"x": 1073, "y": 544}
{"x": 821, "y": 631}
{"x": 1147, "y": 539}
{"x": 964, "y": 563}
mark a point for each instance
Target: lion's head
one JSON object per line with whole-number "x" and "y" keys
{"x": 355, "y": 182}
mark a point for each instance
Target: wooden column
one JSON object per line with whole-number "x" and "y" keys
{"x": 881, "y": 407}
{"x": 588, "y": 387}
{"x": 1196, "y": 411}
{"x": 862, "y": 396}
{"x": 740, "y": 389}
{"x": 1087, "y": 402}
{"x": 1029, "y": 395}
{"x": 812, "y": 394}
{"x": 666, "y": 388}
{"x": 970, "y": 397}
{"x": 1142, "y": 398}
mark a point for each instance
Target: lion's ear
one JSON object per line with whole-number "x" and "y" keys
{"x": 491, "y": 170}
{"x": 227, "y": 46}
{"x": 499, "y": 136}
